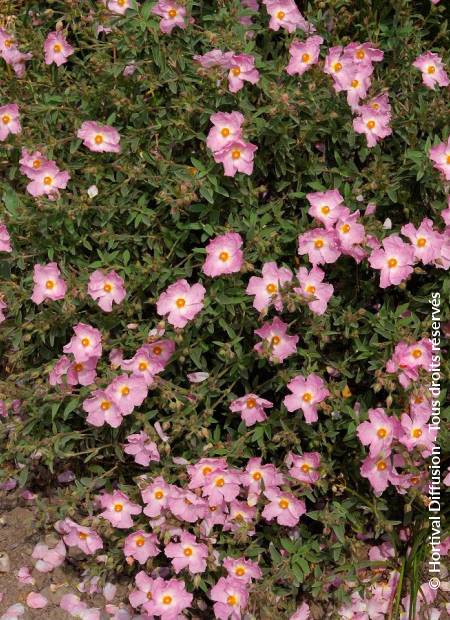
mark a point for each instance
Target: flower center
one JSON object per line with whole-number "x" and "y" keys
{"x": 140, "y": 541}
{"x": 187, "y": 552}
{"x": 159, "y": 495}
{"x": 325, "y": 209}
{"x": 9, "y": 42}
{"x": 167, "y": 599}
{"x": 280, "y": 15}
{"x": 275, "y": 340}
{"x": 48, "y": 180}
{"x": 57, "y": 48}
{"x": 206, "y": 471}
{"x": 118, "y": 507}
{"x": 417, "y": 353}
{"x": 448, "y": 159}
{"x": 125, "y": 391}
{"x": 421, "y": 242}
{"x": 6, "y": 119}
{"x": 418, "y": 400}
{"x": 414, "y": 480}
{"x": 121, "y": 2}
{"x": 235, "y": 71}
{"x": 311, "y": 289}
{"x": 307, "y": 397}
{"x": 354, "y": 83}
{"x": 105, "y": 405}
{"x": 370, "y": 124}
{"x": 381, "y": 465}
{"x": 36, "y": 164}
{"x": 149, "y": 596}
{"x": 172, "y": 13}
{"x": 224, "y": 256}
{"x": 220, "y": 482}
{"x": 98, "y": 139}
{"x": 345, "y": 228}
{"x": 271, "y": 288}
{"x": 305, "y": 468}
{"x": 180, "y": 302}
{"x": 78, "y": 367}
{"x": 305, "y": 57}
{"x": 337, "y": 67}
{"x": 251, "y": 402}
{"x": 283, "y": 503}
{"x": 375, "y": 106}
{"x": 360, "y": 54}
{"x": 232, "y": 600}
{"x": 257, "y": 476}
{"x": 49, "y": 284}
{"x": 143, "y": 366}
{"x": 85, "y": 342}
{"x": 157, "y": 350}
{"x": 381, "y": 432}
{"x": 236, "y": 154}
{"x": 239, "y": 571}
{"x": 431, "y": 69}
{"x": 318, "y": 243}
{"x": 107, "y": 288}
{"x": 417, "y": 432}
{"x": 392, "y": 262}
{"x": 82, "y": 535}
{"x": 225, "y": 132}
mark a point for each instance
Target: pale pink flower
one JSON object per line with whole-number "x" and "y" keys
{"x": 118, "y": 509}
{"x": 80, "y": 536}
{"x": 416, "y": 433}
{"x": 142, "y": 364}
{"x": 119, "y": 6}
{"x": 160, "y": 350}
{"x": 267, "y": 288}
{"x": 169, "y": 599}
{"x": 241, "y": 515}
{"x": 408, "y": 359}
{"x": 5, "y": 239}
{"x": 351, "y": 233}
{"x": 82, "y": 373}
{"x": 85, "y": 343}
{"x": 36, "y": 600}
{"x": 337, "y": 66}
{"x": 102, "y": 410}
{"x": 143, "y": 595}
{"x": 394, "y": 260}
{"x": 276, "y": 343}
{"x": 251, "y": 407}
{"x": 224, "y": 255}
{"x": 222, "y": 485}
{"x": 185, "y": 505}
{"x": 48, "y": 283}
{"x": 426, "y": 241}
{"x": 214, "y": 58}
{"x": 106, "y": 289}
{"x": 313, "y": 289}
{"x": 320, "y": 245}
{"x": 440, "y": 155}
{"x": 48, "y": 179}
{"x": 285, "y": 14}
{"x": 363, "y": 53}
{"x": 327, "y": 207}
{"x": 283, "y": 506}
{"x": 127, "y": 392}
{"x": 242, "y": 569}
{"x": 30, "y": 162}
{"x": 230, "y": 598}
{"x": 181, "y": 302}
{"x": 256, "y": 475}
{"x": 187, "y": 553}
{"x": 304, "y": 54}
{"x": 24, "y": 576}
{"x": 374, "y": 125}
{"x": 236, "y": 157}
{"x": 356, "y": 81}
{"x": 432, "y": 67}
{"x": 142, "y": 448}
{"x": 242, "y": 69}
{"x": 172, "y": 14}
{"x": 57, "y": 49}
{"x": 199, "y": 472}
{"x": 307, "y": 393}
{"x": 378, "y": 432}
{"x": 48, "y": 558}
{"x": 99, "y": 138}
{"x": 378, "y": 470}
{"x": 141, "y": 546}
{"x": 226, "y": 130}
{"x": 379, "y": 104}
{"x": 304, "y": 467}
{"x": 301, "y": 613}
{"x": 9, "y": 120}
{"x": 155, "y": 496}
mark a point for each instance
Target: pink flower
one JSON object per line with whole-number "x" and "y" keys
{"x": 439, "y": 154}
{"x": 276, "y": 343}
{"x": 155, "y": 496}
{"x": 36, "y": 600}
{"x": 5, "y": 240}
{"x": 378, "y": 470}
{"x": 86, "y": 343}
{"x": 416, "y": 433}
{"x": 285, "y": 14}
{"x": 304, "y": 54}
{"x": 251, "y": 408}
{"x": 143, "y": 450}
{"x": 9, "y": 120}
{"x": 240, "y": 515}
{"x": 99, "y": 138}
{"x": 47, "y": 180}
{"x": 242, "y": 69}
{"x": 102, "y": 410}
{"x": 169, "y": 599}
{"x": 143, "y": 365}
{"x": 226, "y": 130}
{"x": 363, "y": 53}
{"x": 119, "y": 6}
{"x": 408, "y": 359}
{"x": 394, "y": 260}
{"x": 75, "y": 607}
{"x": 426, "y": 241}
{"x": 236, "y": 157}
{"x": 301, "y": 613}
{"x": 187, "y": 553}
{"x": 11, "y": 54}
{"x": 172, "y": 15}
{"x": 48, "y": 559}
{"x": 199, "y": 472}
{"x": 160, "y": 350}
{"x": 305, "y": 467}
{"x": 127, "y": 393}
{"x": 351, "y": 233}
{"x": 56, "y": 49}
{"x": 224, "y": 255}
{"x": 30, "y": 162}
{"x": 356, "y": 81}
{"x": 106, "y": 289}
{"x": 374, "y": 125}
{"x": 257, "y": 476}
{"x": 230, "y": 598}
{"x": 118, "y": 509}
{"x": 222, "y": 485}
{"x": 313, "y": 289}
{"x": 432, "y": 67}
{"x": 24, "y": 576}
{"x": 3, "y": 305}
{"x": 48, "y": 283}
{"x": 214, "y": 58}
{"x": 143, "y": 595}
{"x": 320, "y": 245}
{"x": 141, "y": 546}
{"x": 306, "y": 395}
{"x": 242, "y": 569}
{"x": 82, "y": 373}
{"x": 267, "y": 289}
{"x": 181, "y": 302}
{"x": 327, "y": 207}
{"x": 284, "y": 507}
{"x": 337, "y": 65}
{"x": 82, "y": 537}
{"x": 378, "y": 432}
{"x": 185, "y": 505}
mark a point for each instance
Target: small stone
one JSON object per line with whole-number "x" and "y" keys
{"x": 5, "y": 564}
